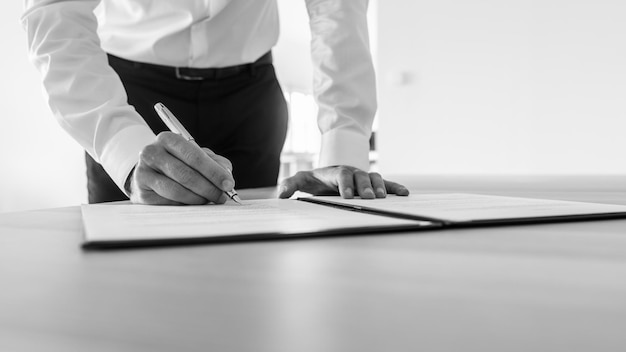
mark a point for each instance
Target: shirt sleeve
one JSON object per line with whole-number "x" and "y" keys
{"x": 83, "y": 92}
{"x": 343, "y": 80}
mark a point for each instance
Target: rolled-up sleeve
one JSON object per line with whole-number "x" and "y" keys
{"x": 83, "y": 92}
{"x": 344, "y": 81}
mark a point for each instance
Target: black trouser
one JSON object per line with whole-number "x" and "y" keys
{"x": 239, "y": 115}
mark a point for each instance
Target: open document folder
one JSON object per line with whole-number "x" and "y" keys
{"x": 121, "y": 225}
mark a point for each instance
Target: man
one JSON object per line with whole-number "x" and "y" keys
{"x": 210, "y": 63}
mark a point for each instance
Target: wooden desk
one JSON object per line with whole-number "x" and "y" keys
{"x": 556, "y": 287}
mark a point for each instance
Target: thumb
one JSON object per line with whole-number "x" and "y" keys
{"x": 396, "y": 188}
{"x": 286, "y": 189}
{"x": 289, "y": 186}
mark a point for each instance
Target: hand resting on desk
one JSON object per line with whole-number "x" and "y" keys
{"x": 174, "y": 171}
{"x": 345, "y": 180}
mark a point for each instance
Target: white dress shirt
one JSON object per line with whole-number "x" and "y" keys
{"x": 68, "y": 42}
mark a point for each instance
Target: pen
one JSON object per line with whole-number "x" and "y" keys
{"x": 175, "y": 126}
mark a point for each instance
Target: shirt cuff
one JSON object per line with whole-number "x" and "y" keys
{"x": 342, "y": 147}
{"x": 121, "y": 152}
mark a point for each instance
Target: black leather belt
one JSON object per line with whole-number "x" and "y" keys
{"x": 199, "y": 74}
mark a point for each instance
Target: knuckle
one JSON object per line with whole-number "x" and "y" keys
{"x": 345, "y": 172}
{"x": 148, "y": 153}
{"x": 160, "y": 138}
{"x": 375, "y": 175}
{"x": 164, "y": 137}
{"x": 188, "y": 154}
{"x": 301, "y": 174}
{"x": 186, "y": 177}
{"x": 194, "y": 158}
{"x": 158, "y": 184}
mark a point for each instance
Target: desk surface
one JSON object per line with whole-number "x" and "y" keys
{"x": 555, "y": 287}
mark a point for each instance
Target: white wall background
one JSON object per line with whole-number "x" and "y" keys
{"x": 502, "y": 86}
{"x": 40, "y": 165}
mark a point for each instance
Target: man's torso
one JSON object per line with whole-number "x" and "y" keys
{"x": 188, "y": 33}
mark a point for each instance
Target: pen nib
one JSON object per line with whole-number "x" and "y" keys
{"x": 236, "y": 199}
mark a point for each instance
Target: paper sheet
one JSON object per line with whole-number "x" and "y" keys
{"x": 126, "y": 222}
{"x": 458, "y": 207}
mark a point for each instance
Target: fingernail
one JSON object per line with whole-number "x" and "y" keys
{"x": 380, "y": 192}
{"x": 368, "y": 193}
{"x": 227, "y": 185}
{"x": 348, "y": 193}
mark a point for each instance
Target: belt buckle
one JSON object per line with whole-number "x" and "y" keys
{"x": 180, "y": 75}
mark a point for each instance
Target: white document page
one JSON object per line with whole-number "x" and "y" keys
{"x": 132, "y": 222}
{"x": 458, "y": 207}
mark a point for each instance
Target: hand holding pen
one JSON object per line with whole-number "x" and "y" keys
{"x": 173, "y": 171}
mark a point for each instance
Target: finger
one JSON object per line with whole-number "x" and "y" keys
{"x": 378, "y": 184}
{"x": 172, "y": 190}
{"x": 224, "y": 162}
{"x": 189, "y": 178}
{"x": 396, "y": 188}
{"x": 149, "y": 180}
{"x": 151, "y": 198}
{"x": 142, "y": 195}
{"x": 345, "y": 183}
{"x": 363, "y": 184}
{"x": 290, "y": 185}
{"x": 196, "y": 158}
